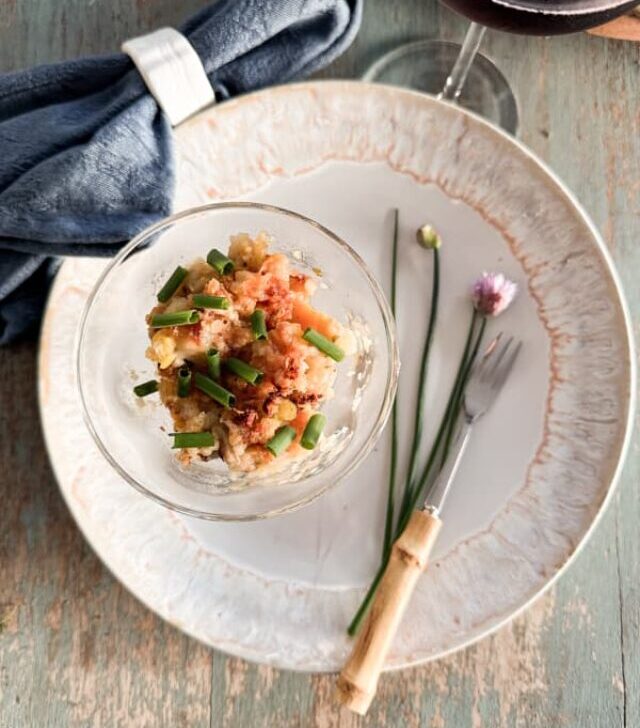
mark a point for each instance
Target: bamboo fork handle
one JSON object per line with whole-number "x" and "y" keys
{"x": 358, "y": 680}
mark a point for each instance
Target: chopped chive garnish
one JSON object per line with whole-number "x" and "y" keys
{"x": 220, "y": 262}
{"x": 214, "y": 390}
{"x": 284, "y": 436}
{"x": 184, "y": 381}
{"x": 243, "y": 370}
{"x": 177, "y": 318}
{"x": 172, "y": 285}
{"x": 201, "y": 300}
{"x": 258, "y": 324}
{"x": 192, "y": 439}
{"x": 142, "y": 390}
{"x": 312, "y": 431}
{"x": 325, "y": 345}
{"x": 213, "y": 363}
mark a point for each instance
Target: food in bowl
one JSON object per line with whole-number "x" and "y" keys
{"x": 244, "y": 361}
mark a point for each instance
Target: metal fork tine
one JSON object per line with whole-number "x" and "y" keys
{"x": 487, "y": 357}
{"x": 501, "y": 376}
{"x": 496, "y": 358}
{"x": 492, "y": 344}
{"x": 481, "y": 390}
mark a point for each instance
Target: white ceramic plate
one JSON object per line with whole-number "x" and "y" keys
{"x": 543, "y": 463}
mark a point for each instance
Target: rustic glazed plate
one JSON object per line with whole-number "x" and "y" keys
{"x": 543, "y": 463}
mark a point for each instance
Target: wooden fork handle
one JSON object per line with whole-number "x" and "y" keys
{"x": 358, "y": 680}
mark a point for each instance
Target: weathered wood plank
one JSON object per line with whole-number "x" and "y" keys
{"x": 621, "y": 224}
{"x": 76, "y": 649}
{"x": 42, "y": 31}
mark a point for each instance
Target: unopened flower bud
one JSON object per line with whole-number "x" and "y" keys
{"x": 428, "y": 237}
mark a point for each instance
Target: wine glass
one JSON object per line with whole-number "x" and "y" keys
{"x": 444, "y": 69}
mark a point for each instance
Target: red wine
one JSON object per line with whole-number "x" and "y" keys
{"x": 541, "y": 17}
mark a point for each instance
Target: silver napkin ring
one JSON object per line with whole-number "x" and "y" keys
{"x": 172, "y": 71}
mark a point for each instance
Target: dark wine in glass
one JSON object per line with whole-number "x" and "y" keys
{"x": 443, "y": 68}
{"x": 541, "y": 17}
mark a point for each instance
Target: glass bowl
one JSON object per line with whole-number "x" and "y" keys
{"x": 132, "y": 433}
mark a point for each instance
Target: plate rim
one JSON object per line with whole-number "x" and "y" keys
{"x": 619, "y": 457}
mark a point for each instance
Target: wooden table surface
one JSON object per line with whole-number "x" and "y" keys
{"x": 77, "y": 650}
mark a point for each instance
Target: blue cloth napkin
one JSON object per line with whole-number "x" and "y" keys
{"x": 86, "y": 158}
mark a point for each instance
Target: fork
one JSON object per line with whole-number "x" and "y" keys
{"x": 357, "y": 683}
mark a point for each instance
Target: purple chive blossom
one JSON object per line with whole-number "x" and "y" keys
{"x": 492, "y": 293}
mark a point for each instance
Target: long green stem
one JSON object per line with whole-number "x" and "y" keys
{"x": 460, "y": 391}
{"x": 420, "y": 404}
{"x": 403, "y": 520}
{"x": 366, "y": 602}
{"x": 405, "y": 513}
{"x": 416, "y": 487}
{"x": 388, "y": 522}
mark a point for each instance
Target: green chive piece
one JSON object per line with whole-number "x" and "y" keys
{"x": 243, "y": 370}
{"x": 393, "y": 465}
{"x": 192, "y": 439}
{"x": 142, "y": 390}
{"x": 172, "y": 285}
{"x": 258, "y": 324}
{"x": 184, "y": 381}
{"x": 325, "y": 345}
{"x": 280, "y": 442}
{"x": 213, "y": 363}
{"x": 214, "y": 390}
{"x": 220, "y": 262}
{"x": 201, "y": 300}
{"x": 177, "y": 318}
{"x": 420, "y": 407}
{"x": 312, "y": 431}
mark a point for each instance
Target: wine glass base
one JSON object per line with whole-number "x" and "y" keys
{"x": 425, "y": 66}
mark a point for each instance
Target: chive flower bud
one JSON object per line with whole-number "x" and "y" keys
{"x": 428, "y": 237}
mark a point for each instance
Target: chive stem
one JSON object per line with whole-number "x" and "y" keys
{"x": 422, "y": 389}
{"x": 368, "y": 597}
{"x": 184, "y": 381}
{"x": 220, "y": 262}
{"x": 213, "y": 363}
{"x": 258, "y": 324}
{"x": 417, "y": 487}
{"x": 312, "y": 431}
{"x": 192, "y": 439}
{"x": 201, "y": 300}
{"x": 142, "y": 390}
{"x": 325, "y": 345}
{"x": 460, "y": 391}
{"x": 172, "y": 285}
{"x": 214, "y": 390}
{"x": 281, "y": 441}
{"x": 388, "y": 520}
{"x": 390, "y": 534}
{"x": 243, "y": 370}
{"x": 176, "y": 318}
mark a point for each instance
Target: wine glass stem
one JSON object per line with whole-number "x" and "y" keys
{"x": 454, "y": 83}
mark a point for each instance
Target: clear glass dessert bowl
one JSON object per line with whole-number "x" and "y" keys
{"x": 132, "y": 433}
